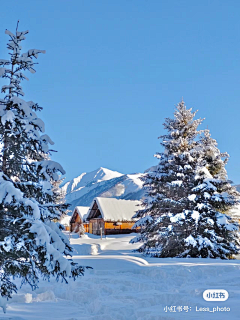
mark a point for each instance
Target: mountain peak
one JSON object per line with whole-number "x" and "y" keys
{"x": 98, "y": 175}
{"x": 106, "y": 174}
{"x": 102, "y": 182}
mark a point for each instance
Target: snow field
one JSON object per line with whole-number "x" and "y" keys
{"x": 126, "y": 286}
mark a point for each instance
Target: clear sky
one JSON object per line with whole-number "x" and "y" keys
{"x": 115, "y": 69}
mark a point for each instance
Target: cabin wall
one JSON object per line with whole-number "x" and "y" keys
{"x": 95, "y": 226}
{"x": 86, "y": 227}
{"x": 75, "y": 225}
{"x": 123, "y": 228}
{"x": 110, "y": 227}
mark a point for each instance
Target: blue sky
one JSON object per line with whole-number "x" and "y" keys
{"x": 115, "y": 69}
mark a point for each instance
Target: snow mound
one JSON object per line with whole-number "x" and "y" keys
{"x": 87, "y": 249}
{"x": 45, "y": 296}
{"x": 21, "y": 298}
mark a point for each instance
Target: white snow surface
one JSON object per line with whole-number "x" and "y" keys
{"x": 117, "y": 209}
{"x": 128, "y": 286}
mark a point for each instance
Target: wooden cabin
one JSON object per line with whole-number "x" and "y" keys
{"x": 112, "y": 216}
{"x": 79, "y": 217}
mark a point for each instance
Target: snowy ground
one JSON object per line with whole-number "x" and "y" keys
{"x": 127, "y": 286}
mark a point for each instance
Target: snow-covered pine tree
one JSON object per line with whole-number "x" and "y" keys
{"x": 169, "y": 185}
{"x": 216, "y": 234}
{"x": 215, "y": 162}
{"x": 81, "y": 230}
{"x": 183, "y": 212}
{"x": 212, "y": 158}
{"x": 31, "y": 244}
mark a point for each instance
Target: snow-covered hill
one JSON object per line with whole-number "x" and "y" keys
{"x": 102, "y": 183}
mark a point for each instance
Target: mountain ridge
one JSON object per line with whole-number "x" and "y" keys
{"x": 103, "y": 182}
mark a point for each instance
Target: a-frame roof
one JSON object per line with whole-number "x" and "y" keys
{"x": 112, "y": 209}
{"x": 81, "y": 211}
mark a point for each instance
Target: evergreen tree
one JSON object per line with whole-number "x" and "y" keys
{"x": 31, "y": 244}
{"x": 188, "y": 194}
{"x": 212, "y": 158}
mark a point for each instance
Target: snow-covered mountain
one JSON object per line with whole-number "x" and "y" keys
{"x": 102, "y": 183}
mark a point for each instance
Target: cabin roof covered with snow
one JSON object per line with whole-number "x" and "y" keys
{"x": 81, "y": 211}
{"x": 112, "y": 209}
